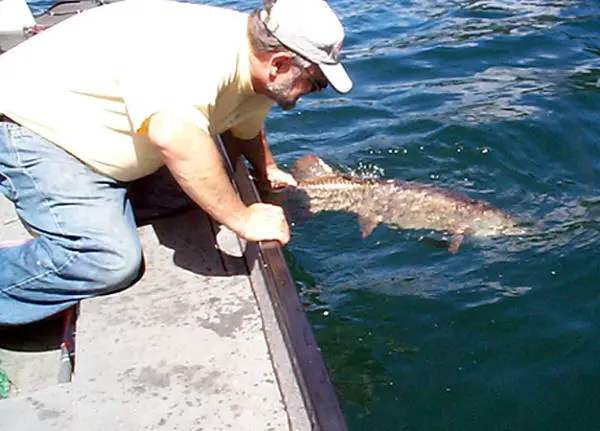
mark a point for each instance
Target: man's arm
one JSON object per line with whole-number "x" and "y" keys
{"x": 196, "y": 164}
{"x": 257, "y": 152}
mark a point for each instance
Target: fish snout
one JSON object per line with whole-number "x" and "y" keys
{"x": 311, "y": 166}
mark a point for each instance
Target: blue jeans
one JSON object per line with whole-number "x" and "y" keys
{"x": 87, "y": 241}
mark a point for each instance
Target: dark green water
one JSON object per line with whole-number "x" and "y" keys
{"x": 499, "y": 99}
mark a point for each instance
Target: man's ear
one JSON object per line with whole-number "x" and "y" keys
{"x": 280, "y": 63}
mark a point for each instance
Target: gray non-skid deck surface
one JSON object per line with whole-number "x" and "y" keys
{"x": 182, "y": 349}
{"x": 194, "y": 345}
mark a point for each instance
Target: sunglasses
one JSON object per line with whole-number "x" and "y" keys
{"x": 317, "y": 84}
{"x": 309, "y": 68}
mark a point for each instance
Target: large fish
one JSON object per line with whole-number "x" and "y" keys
{"x": 396, "y": 203}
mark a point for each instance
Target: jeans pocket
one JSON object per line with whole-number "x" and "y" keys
{"x": 28, "y": 148}
{"x": 17, "y": 132}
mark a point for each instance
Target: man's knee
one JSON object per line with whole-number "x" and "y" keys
{"x": 126, "y": 270}
{"x": 111, "y": 269}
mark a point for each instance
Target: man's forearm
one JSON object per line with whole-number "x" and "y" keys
{"x": 256, "y": 151}
{"x": 196, "y": 164}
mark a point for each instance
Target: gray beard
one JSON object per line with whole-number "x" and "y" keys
{"x": 280, "y": 92}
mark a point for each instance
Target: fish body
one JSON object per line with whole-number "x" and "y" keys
{"x": 396, "y": 203}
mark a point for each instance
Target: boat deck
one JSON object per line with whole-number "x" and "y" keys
{"x": 184, "y": 348}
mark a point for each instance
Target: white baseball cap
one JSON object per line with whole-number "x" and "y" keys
{"x": 310, "y": 28}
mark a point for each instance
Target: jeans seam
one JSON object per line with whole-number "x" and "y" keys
{"x": 11, "y": 187}
{"x": 55, "y": 270}
{"x": 43, "y": 196}
{"x": 58, "y": 271}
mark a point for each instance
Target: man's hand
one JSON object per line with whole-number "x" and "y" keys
{"x": 265, "y": 222}
{"x": 195, "y": 162}
{"x": 256, "y": 151}
{"x": 279, "y": 179}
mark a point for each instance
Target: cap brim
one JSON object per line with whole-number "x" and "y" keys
{"x": 337, "y": 77}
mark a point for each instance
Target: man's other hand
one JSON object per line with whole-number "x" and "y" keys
{"x": 279, "y": 179}
{"x": 265, "y": 222}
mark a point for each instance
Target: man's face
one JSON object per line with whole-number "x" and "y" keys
{"x": 288, "y": 87}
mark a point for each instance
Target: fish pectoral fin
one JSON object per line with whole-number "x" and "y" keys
{"x": 367, "y": 224}
{"x": 455, "y": 244}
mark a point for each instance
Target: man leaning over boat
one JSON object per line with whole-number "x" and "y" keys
{"x": 126, "y": 89}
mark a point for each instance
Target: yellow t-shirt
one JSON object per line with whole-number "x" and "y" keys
{"x": 89, "y": 83}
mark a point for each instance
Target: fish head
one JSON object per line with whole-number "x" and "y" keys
{"x": 310, "y": 172}
{"x": 310, "y": 167}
